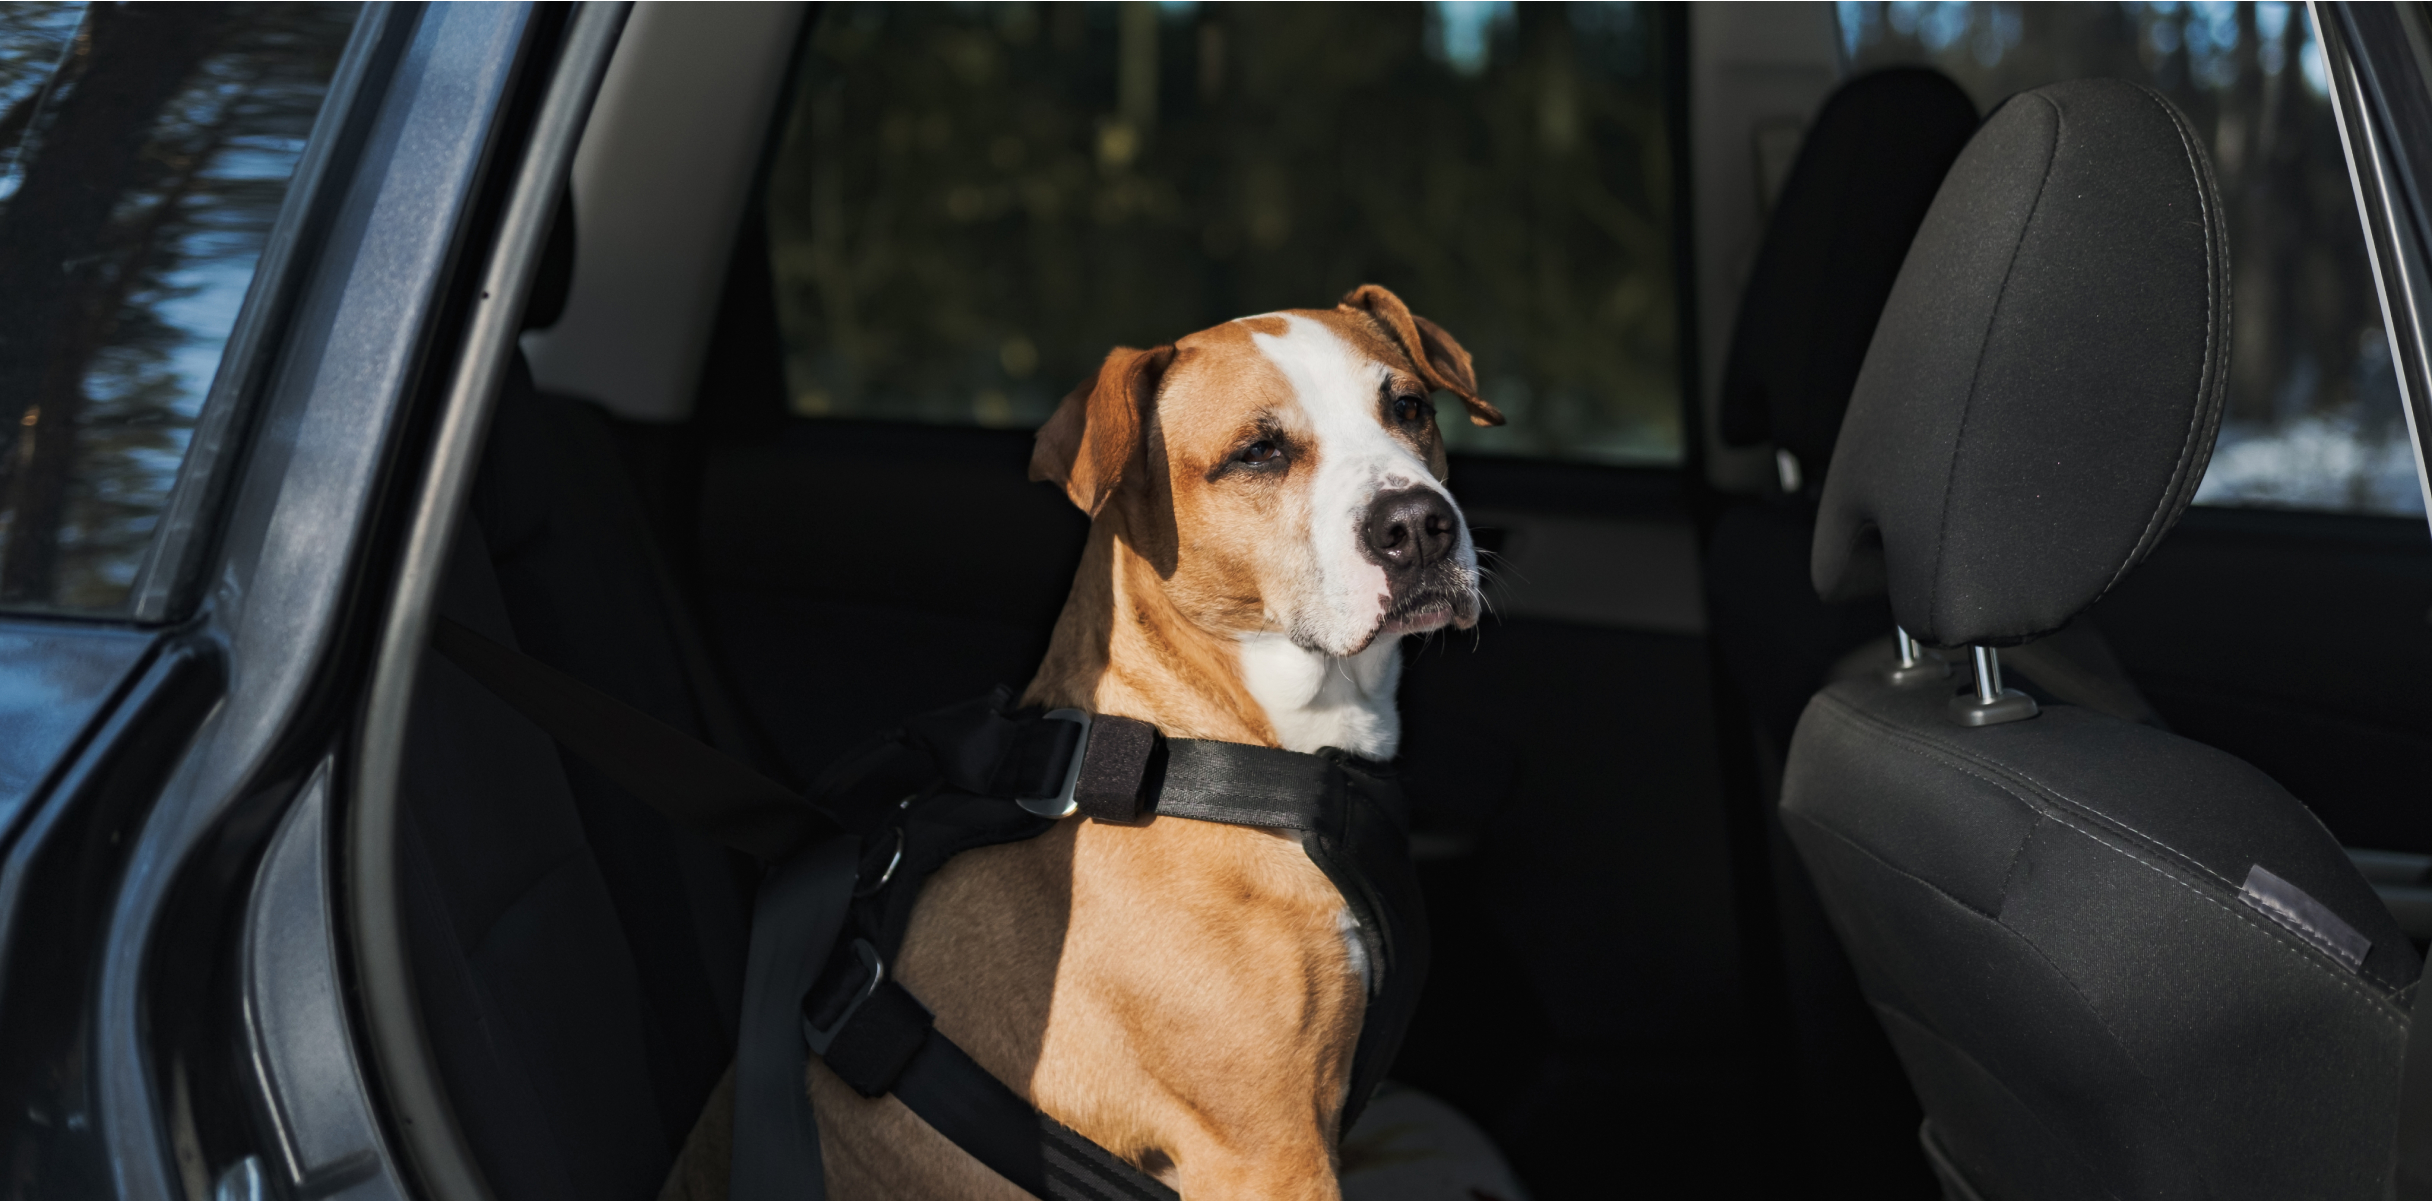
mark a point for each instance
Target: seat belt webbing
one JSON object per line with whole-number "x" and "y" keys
{"x": 694, "y": 785}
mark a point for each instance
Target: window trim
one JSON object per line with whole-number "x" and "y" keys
{"x": 2374, "y": 54}
{"x": 166, "y": 587}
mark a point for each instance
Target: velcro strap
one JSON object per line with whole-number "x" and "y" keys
{"x": 870, "y": 1051}
{"x": 1113, "y": 768}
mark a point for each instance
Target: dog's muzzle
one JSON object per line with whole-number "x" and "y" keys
{"x": 1412, "y": 533}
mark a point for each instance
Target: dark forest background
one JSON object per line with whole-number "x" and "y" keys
{"x": 974, "y": 202}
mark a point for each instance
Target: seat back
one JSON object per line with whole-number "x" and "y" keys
{"x": 2114, "y": 962}
{"x": 578, "y": 959}
{"x": 1866, "y": 172}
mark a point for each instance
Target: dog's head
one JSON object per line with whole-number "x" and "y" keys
{"x": 1284, "y": 473}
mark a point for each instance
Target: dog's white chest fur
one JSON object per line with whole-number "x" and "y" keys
{"x": 1316, "y": 700}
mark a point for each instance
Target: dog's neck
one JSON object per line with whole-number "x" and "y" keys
{"x": 1122, "y": 646}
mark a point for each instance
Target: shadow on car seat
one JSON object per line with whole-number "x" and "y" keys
{"x": 578, "y": 958}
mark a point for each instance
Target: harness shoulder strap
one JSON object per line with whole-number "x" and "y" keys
{"x": 796, "y": 916}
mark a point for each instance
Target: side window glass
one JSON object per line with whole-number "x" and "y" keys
{"x": 144, "y": 153}
{"x": 2313, "y": 420}
{"x": 972, "y": 203}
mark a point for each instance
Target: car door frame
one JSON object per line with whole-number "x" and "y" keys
{"x": 271, "y": 591}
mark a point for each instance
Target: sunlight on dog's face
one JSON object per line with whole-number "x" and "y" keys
{"x": 1303, "y": 468}
{"x": 1284, "y": 474}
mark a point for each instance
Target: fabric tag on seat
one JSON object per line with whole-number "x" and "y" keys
{"x": 2289, "y": 905}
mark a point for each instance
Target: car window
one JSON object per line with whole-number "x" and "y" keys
{"x": 2314, "y": 419}
{"x": 972, "y": 203}
{"x": 144, "y": 152}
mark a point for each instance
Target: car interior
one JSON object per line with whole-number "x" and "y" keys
{"x": 1636, "y": 983}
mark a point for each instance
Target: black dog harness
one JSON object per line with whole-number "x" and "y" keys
{"x": 846, "y": 869}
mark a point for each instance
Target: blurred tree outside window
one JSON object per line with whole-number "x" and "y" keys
{"x": 972, "y": 203}
{"x": 144, "y": 152}
{"x": 2314, "y": 418}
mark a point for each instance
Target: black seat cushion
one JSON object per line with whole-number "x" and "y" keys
{"x": 2049, "y": 919}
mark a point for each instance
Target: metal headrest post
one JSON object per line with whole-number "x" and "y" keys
{"x": 1990, "y": 704}
{"x": 1916, "y": 663}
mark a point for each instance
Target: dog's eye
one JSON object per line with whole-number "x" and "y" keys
{"x": 1261, "y": 451}
{"x": 1409, "y": 410}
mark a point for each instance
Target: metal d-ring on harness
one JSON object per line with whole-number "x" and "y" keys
{"x": 846, "y": 868}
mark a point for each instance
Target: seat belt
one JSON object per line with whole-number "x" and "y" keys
{"x": 692, "y": 784}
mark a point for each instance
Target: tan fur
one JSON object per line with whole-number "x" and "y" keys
{"x": 1180, "y": 992}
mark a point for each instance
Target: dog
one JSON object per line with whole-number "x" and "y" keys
{"x": 1268, "y": 519}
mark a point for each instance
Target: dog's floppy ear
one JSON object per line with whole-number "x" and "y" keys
{"x": 1096, "y": 431}
{"x": 1440, "y": 360}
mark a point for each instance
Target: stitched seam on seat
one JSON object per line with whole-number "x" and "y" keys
{"x": 2273, "y": 908}
{"x": 2206, "y": 380}
{"x": 2241, "y": 912}
{"x": 2341, "y": 976}
{"x": 1994, "y": 918}
{"x": 1888, "y": 865}
{"x": 1955, "y": 758}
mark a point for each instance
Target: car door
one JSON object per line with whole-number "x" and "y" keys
{"x": 234, "y": 241}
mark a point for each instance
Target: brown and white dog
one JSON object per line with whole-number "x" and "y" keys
{"x": 1269, "y": 517}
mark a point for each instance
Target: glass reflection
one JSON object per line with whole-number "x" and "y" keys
{"x": 144, "y": 153}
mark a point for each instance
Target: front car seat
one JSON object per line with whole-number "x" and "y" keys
{"x": 2114, "y": 962}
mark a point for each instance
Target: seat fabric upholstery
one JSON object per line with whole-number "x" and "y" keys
{"x": 578, "y": 958}
{"x": 2047, "y": 916}
{"x": 2057, "y": 916}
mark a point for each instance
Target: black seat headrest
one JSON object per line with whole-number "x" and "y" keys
{"x": 1865, "y": 175}
{"x": 2044, "y": 387}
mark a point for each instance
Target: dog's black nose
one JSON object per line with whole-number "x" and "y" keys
{"x": 1410, "y": 529}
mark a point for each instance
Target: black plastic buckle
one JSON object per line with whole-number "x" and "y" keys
{"x": 821, "y": 1038}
